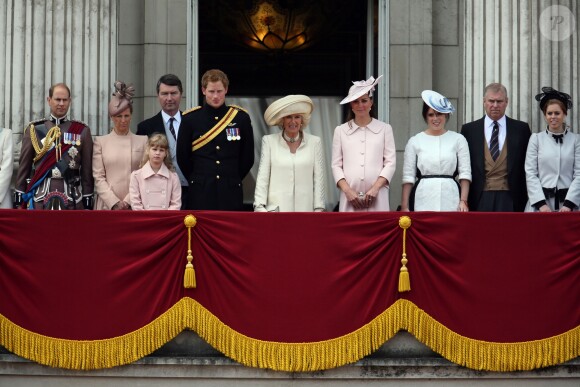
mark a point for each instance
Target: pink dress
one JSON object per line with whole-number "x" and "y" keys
{"x": 360, "y": 155}
{"x": 155, "y": 191}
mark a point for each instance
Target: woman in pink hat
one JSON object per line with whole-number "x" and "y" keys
{"x": 291, "y": 172}
{"x": 434, "y": 158}
{"x": 363, "y": 153}
{"x": 117, "y": 154}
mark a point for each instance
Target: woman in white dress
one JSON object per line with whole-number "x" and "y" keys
{"x": 432, "y": 161}
{"x": 553, "y": 158}
{"x": 291, "y": 175}
{"x": 363, "y": 153}
{"x": 6, "y": 161}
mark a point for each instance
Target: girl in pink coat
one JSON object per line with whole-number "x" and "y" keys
{"x": 155, "y": 186}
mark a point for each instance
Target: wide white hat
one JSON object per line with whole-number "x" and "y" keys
{"x": 437, "y": 102}
{"x": 360, "y": 88}
{"x": 285, "y": 106}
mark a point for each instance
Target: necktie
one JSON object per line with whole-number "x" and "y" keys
{"x": 171, "y": 129}
{"x": 494, "y": 142}
{"x": 559, "y": 138}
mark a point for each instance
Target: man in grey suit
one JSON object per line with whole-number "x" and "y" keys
{"x": 497, "y": 147}
{"x": 168, "y": 120}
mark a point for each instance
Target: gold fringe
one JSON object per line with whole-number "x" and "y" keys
{"x": 404, "y": 278}
{"x": 189, "y": 275}
{"x": 291, "y": 357}
{"x": 487, "y": 355}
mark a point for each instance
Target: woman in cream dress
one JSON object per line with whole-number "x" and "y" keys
{"x": 6, "y": 166}
{"x": 117, "y": 154}
{"x": 291, "y": 175}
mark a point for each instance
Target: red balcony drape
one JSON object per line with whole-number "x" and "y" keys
{"x": 294, "y": 291}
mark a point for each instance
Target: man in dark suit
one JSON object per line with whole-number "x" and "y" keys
{"x": 168, "y": 120}
{"x": 215, "y": 148}
{"x": 497, "y": 147}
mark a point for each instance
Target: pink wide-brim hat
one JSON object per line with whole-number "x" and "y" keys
{"x": 360, "y": 88}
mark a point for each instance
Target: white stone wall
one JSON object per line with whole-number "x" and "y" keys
{"x": 152, "y": 42}
{"x": 49, "y": 41}
{"x": 425, "y": 54}
{"x": 505, "y": 41}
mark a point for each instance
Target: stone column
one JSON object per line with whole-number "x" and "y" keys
{"x": 524, "y": 45}
{"x": 424, "y": 54}
{"x": 50, "y": 41}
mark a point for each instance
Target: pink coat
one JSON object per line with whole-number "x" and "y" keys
{"x": 155, "y": 191}
{"x": 360, "y": 156}
{"x": 114, "y": 158}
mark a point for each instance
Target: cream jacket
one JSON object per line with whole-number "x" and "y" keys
{"x": 6, "y": 166}
{"x": 114, "y": 158}
{"x": 290, "y": 182}
{"x": 360, "y": 156}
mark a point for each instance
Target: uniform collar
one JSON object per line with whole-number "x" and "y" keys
{"x": 220, "y": 111}
{"x": 58, "y": 121}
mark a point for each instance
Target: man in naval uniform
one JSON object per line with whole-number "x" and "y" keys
{"x": 215, "y": 149}
{"x": 55, "y": 169}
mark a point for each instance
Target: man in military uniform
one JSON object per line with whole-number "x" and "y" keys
{"x": 55, "y": 169}
{"x": 215, "y": 149}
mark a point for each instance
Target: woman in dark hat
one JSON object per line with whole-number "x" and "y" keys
{"x": 291, "y": 173}
{"x": 117, "y": 154}
{"x": 363, "y": 153}
{"x": 553, "y": 158}
{"x": 433, "y": 158}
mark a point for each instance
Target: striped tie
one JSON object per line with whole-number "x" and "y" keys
{"x": 171, "y": 129}
{"x": 494, "y": 142}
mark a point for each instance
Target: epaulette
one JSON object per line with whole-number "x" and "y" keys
{"x": 191, "y": 110}
{"x": 35, "y": 122}
{"x": 238, "y": 107}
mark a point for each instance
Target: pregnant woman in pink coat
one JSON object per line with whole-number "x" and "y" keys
{"x": 363, "y": 153}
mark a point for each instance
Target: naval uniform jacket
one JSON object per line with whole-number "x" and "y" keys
{"x": 517, "y": 136}
{"x": 77, "y": 163}
{"x": 216, "y": 170}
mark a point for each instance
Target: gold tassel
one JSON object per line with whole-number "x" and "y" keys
{"x": 189, "y": 276}
{"x": 404, "y": 279}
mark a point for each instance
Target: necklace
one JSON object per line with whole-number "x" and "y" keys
{"x": 291, "y": 140}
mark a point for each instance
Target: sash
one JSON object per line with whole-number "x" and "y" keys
{"x": 217, "y": 129}
{"x": 49, "y": 160}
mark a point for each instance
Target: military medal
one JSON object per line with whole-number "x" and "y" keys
{"x": 238, "y": 137}
{"x": 229, "y": 133}
{"x": 78, "y": 138}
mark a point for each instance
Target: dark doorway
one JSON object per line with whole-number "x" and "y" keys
{"x": 325, "y": 68}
